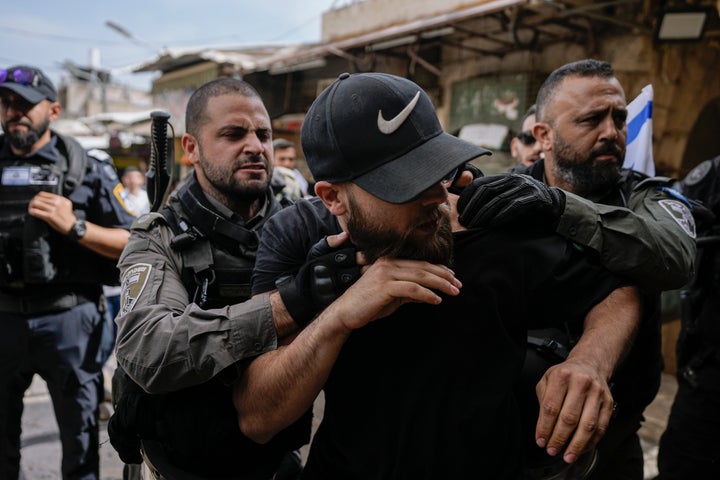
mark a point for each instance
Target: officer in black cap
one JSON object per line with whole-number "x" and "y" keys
{"x": 62, "y": 227}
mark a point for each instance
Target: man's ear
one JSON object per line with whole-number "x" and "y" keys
{"x": 513, "y": 147}
{"x": 191, "y": 149}
{"x": 55, "y": 109}
{"x": 331, "y": 196}
{"x": 543, "y": 134}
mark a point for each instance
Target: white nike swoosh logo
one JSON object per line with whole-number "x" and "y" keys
{"x": 389, "y": 126}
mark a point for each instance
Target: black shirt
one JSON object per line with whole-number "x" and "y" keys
{"x": 428, "y": 391}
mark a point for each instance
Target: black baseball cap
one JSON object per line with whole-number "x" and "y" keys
{"x": 28, "y": 82}
{"x": 381, "y": 132}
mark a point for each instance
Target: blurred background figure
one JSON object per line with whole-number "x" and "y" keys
{"x": 285, "y": 157}
{"x": 135, "y": 195}
{"x": 136, "y": 200}
{"x": 523, "y": 146}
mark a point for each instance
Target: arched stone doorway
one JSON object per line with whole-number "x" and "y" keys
{"x": 703, "y": 141}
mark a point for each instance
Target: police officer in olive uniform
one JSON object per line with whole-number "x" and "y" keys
{"x": 640, "y": 227}
{"x": 62, "y": 227}
{"x": 690, "y": 446}
{"x": 186, "y": 320}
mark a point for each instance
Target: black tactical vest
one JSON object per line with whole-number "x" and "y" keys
{"x": 28, "y": 247}
{"x": 197, "y": 426}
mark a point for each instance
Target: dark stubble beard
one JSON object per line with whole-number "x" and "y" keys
{"x": 377, "y": 241}
{"x": 585, "y": 175}
{"x": 25, "y": 140}
{"x": 224, "y": 181}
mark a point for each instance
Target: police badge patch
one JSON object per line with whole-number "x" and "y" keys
{"x": 133, "y": 283}
{"x": 681, "y": 214}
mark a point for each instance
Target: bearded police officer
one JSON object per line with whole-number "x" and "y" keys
{"x": 182, "y": 330}
{"x": 640, "y": 227}
{"x": 185, "y": 324}
{"x": 62, "y": 227}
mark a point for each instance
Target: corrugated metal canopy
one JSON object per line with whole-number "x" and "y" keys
{"x": 489, "y": 28}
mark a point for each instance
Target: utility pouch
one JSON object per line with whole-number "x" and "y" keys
{"x": 38, "y": 266}
{"x": 6, "y": 269}
{"x": 10, "y": 260}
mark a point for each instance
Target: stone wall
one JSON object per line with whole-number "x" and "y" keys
{"x": 685, "y": 79}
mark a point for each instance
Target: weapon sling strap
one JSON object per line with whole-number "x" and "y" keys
{"x": 196, "y": 254}
{"x": 199, "y": 259}
{"x": 76, "y": 163}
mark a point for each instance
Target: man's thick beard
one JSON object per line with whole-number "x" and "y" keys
{"x": 584, "y": 175}
{"x": 25, "y": 141}
{"x": 225, "y": 183}
{"x": 377, "y": 241}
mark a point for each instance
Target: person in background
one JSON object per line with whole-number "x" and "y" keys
{"x": 62, "y": 228}
{"x": 639, "y": 227}
{"x": 286, "y": 158}
{"x": 690, "y": 445}
{"x": 134, "y": 194}
{"x": 523, "y": 147}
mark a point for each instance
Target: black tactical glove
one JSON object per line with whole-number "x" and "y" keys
{"x": 476, "y": 172}
{"x": 132, "y": 419}
{"x": 510, "y": 199}
{"x": 326, "y": 275}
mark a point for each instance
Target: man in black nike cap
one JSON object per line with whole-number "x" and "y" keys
{"x": 415, "y": 388}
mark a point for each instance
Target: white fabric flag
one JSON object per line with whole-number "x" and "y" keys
{"x": 639, "y": 154}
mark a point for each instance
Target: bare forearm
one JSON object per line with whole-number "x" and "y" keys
{"x": 279, "y": 386}
{"x": 284, "y": 324}
{"x": 108, "y": 242}
{"x": 574, "y": 396}
{"x": 609, "y": 331}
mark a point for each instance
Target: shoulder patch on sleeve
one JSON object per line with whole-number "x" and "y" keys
{"x": 680, "y": 214}
{"x": 698, "y": 173}
{"x": 132, "y": 285}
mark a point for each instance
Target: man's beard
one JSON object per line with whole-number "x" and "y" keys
{"x": 376, "y": 240}
{"x": 25, "y": 140}
{"x": 584, "y": 175}
{"x": 224, "y": 181}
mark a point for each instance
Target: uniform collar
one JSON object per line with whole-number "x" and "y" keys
{"x": 229, "y": 214}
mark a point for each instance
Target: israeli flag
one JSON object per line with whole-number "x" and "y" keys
{"x": 639, "y": 153}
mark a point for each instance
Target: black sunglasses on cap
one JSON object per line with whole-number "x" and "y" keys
{"x": 526, "y": 138}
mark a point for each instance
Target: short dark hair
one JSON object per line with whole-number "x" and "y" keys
{"x": 530, "y": 111}
{"x": 282, "y": 144}
{"x": 197, "y": 105}
{"x": 582, "y": 68}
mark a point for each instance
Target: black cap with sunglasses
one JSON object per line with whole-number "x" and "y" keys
{"x": 28, "y": 82}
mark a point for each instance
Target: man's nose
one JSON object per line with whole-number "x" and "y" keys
{"x": 435, "y": 195}
{"x": 609, "y": 129}
{"x": 253, "y": 144}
